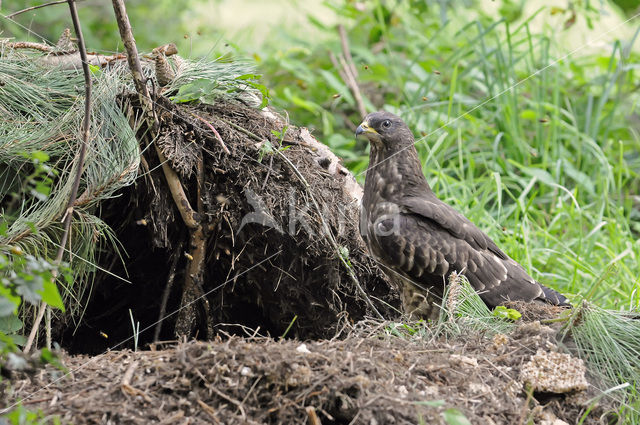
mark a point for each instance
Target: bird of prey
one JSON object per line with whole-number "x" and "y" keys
{"x": 420, "y": 240}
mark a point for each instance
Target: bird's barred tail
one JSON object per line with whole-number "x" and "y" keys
{"x": 554, "y": 297}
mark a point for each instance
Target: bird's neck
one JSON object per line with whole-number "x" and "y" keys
{"x": 392, "y": 175}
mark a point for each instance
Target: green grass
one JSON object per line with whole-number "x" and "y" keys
{"x": 540, "y": 153}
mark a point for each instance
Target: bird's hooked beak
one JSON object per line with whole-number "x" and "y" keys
{"x": 370, "y": 133}
{"x": 365, "y": 129}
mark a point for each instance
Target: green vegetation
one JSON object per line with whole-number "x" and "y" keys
{"x": 541, "y": 153}
{"x": 22, "y": 416}
{"x": 36, "y": 178}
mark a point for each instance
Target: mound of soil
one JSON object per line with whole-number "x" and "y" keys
{"x": 278, "y": 213}
{"x": 367, "y": 377}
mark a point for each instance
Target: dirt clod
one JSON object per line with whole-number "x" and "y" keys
{"x": 553, "y": 372}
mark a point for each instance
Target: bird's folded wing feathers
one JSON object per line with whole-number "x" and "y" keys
{"x": 454, "y": 222}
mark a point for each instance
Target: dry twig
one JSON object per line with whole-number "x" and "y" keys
{"x": 215, "y": 132}
{"x": 28, "y": 9}
{"x": 166, "y": 292}
{"x": 347, "y": 70}
{"x": 313, "y": 417}
{"x": 190, "y": 291}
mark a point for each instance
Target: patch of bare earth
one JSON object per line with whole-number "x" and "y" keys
{"x": 368, "y": 377}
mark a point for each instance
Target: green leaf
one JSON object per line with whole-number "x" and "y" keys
{"x": 344, "y": 251}
{"x": 310, "y": 106}
{"x": 20, "y": 415}
{"x": 542, "y": 175}
{"x": 528, "y": 114}
{"x": 249, "y": 77}
{"x": 264, "y": 91}
{"x": 51, "y": 296}
{"x": 579, "y": 177}
{"x": 4, "y": 227}
{"x": 430, "y": 403}
{"x": 338, "y": 86}
{"x": 10, "y": 324}
{"x": 265, "y": 149}
{"x": 506, "y": 313}
{"x": 18, "y": 339}
{"x": 7, "y": 343}
{"x": 41, "y": 191}
{"x": 39, "y": 156}
{"x": 8, "y": 303}
{"x": 30, "y": 287}
{"x": 195, "y": 90}
{"x": 453, "y": 416}
{"x": 409, "y": 329}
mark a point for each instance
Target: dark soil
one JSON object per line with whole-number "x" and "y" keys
{"x": 367, "y": 377}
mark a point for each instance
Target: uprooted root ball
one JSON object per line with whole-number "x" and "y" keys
{"x": 269, "y": 258}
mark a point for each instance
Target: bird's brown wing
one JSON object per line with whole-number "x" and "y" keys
{"x": 445, "y": 216}
{"x": 426, "y": 247}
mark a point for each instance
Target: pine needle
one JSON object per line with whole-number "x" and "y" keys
{"x": 609, "y": 341}
{"x": 463, "y": 311}
{"x": 41, "y": 109}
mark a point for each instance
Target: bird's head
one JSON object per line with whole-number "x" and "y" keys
{"x": 385, "y": 131}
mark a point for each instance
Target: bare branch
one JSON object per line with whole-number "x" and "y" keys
{"x": 31, "y": 45}
{"x": 353, "y": 86}
{"x": 346, "y": 51}
{"x": 191, "y": 290}
{"x": 166, "y": 292}
{"x": 133, "y": 59}
{"x": 344, "y": 70}
{"x": 215, "y": 132}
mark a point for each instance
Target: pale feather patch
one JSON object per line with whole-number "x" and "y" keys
{"x": 410, "y": 256}
{"x": 499, "y": 262}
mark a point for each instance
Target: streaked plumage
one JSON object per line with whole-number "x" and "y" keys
{"x": 420, "y": 240}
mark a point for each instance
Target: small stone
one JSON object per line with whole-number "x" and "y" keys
{"x": 479, "y": 388}
{"x": 302, "y": 348}
{"x": 430, "y": 391}
{"x": 402, "y": 390}
{"x": 548, "y": 418}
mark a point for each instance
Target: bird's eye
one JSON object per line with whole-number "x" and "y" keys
{"x": 386, "y": 124}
